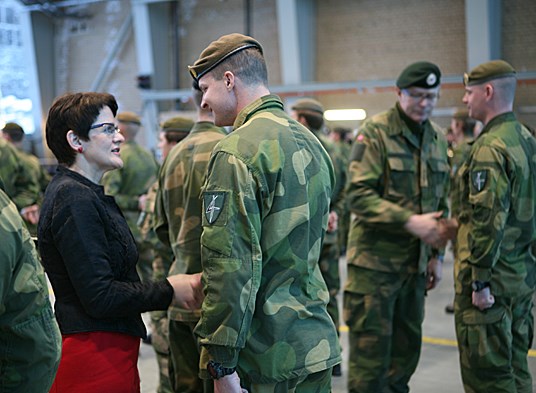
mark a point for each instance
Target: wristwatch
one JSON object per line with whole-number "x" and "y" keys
{"x": 217, "y": 371}
{"x": 479, "y": 285}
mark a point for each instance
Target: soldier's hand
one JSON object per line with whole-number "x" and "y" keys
{"x": 426, "y": 227}
{"x": 229, "y": 384}
{"x": 483, "y": 299}
{"x": 30, "y": 214}
{"x": 333, "y": 221}
{"x": 434, "y": 273}
{"x": 188, "y": 290}
{"x": 448, "y": 228}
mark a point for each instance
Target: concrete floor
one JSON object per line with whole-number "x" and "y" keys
{"x": 438, "y": 369}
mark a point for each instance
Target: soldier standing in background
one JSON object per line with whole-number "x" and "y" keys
{"x": 178, "y": 224}
{"x": 399, "y": 183}
{"x": 172, "y": 132}
{"x": 20, "y": 184}
{"x": 495, "y": 266}
{"x": 310, "y": 113}
{"x": 266, "y": 203}
{"x": 15, "y": 134}
{"x": 340, "y": 137}
{"x": 132, "y": 181}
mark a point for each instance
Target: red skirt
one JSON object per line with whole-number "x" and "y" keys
{"x": 98, "y": 362}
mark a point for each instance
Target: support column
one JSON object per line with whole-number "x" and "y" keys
{"x": 483, "y": 27}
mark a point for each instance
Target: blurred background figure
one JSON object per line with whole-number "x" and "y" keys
{"x": 14, "y": 133}
{"x": 129, "y": 183}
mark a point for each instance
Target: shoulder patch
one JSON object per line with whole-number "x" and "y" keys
{"x": 479, "y": 179}
{"x": 213, "y": 205}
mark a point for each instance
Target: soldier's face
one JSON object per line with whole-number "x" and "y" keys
{"x": 417, "y": 102}
{"x": 475, "y": 99}
{"x": 220, "y": 97}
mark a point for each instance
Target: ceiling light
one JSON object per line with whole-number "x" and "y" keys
{"x": 345, "y": 114}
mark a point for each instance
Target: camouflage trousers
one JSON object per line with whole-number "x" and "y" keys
{"x": 494, "y": 343}
{"x": 184, "y": 359}
{"x": 319, "y": 382}
{"x": 384, "y": 313}
{"x": 329, "y": 267}
{"x": 160, "y": 342}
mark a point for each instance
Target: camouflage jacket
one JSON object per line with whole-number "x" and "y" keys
{"x": 338, "y": 199}
{"x": 178, "y": 203}
{"x": 19, "y": 183}
{"x": 30, "y": 341}
{"x": 394, "y": 173}
{"x": 128, "y": 183}
{"x": 496, "y": 239}
{"x": 265, "y": 211}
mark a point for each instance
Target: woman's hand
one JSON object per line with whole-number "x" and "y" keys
{"x": 188, "y": 290}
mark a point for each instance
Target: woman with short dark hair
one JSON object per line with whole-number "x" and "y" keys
{"x": 90, "y": 256}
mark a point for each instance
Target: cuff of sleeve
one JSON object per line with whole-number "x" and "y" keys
{"x": 226, "y": 356}
{"x": 480, "y": 274}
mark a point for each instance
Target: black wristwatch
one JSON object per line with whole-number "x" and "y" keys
{"x": 479, "y": 285}
{"x": 217, "y": 371}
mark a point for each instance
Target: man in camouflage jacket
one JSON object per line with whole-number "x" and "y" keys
{"x": 399, "y": 183}
{"x": 265, "y": 211}
{"x": 30, "y": 341}
{"x": 178, "y": 224}
{"x": 495, "y": 266}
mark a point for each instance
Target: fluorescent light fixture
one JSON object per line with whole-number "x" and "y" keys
{"x": 345, "y": 114}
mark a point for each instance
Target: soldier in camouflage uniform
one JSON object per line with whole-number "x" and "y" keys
{"x": 178, "y": 224}
{"x": 19, "y": 183}
{"x": 172, "y": 132}
{"x": 310, "y": 113}
{"x": 339, "y": 136}
{"x": 30, "y": 341}
{"x": 130, "y": 182}
{"x": 14, "y": 133}
{"x": 265, "y": 211}
{"x": 399, "y": 183}
{"x": 495, "y": 266}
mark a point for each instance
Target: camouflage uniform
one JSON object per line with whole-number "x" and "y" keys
{"x": 344, "y": 218}
{"x": 163, "y": 256}
{"x": 265, "y": 211}
{"x": 395, "y": 172}
{"x": 126, "y": 185}
{"x": 30, "y": 341}
{"x": 19, "y": 183}
{"x": 496, "y": 243}
{"x": 178, "y": 224}
{"x": 329, "y": 256}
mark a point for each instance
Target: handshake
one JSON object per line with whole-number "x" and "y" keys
{"x": 187, "y": 290}
{"x": 432, "y": 229}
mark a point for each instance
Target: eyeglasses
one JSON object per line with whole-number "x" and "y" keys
{"x": 109, "y": 128}
{"x": 421, "y": 96}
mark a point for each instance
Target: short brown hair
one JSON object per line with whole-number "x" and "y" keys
{"x": 76, "y": 112}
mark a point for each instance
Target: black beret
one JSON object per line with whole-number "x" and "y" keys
{"x": 219, "y": 50}
{"x": 177, "y": 124}
{"x": 486, "y": 72}
{"x": 420, "y": 74}
{"x": 308, "y": 104}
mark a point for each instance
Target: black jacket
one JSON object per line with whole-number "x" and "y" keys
{"x": 90, "y": 258}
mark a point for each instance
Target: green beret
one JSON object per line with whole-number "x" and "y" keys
{"x": 486, "y": 72}
{"x": 129, "y": 117}
{"x": 308, "y": 104}
{"x": 219, "y": 50}
{"x": 12, "y": 127}
{"x": 177, "y": 124}
{"x": 420, "y": 74}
